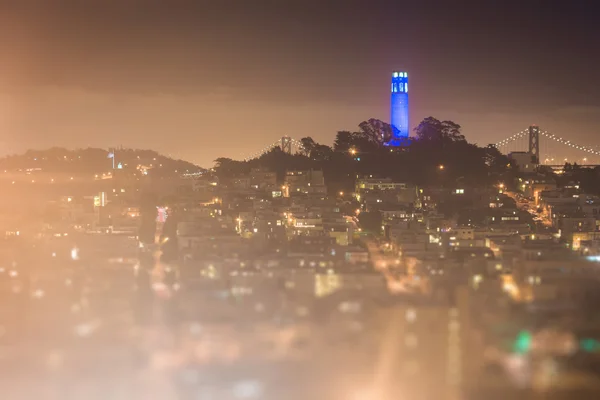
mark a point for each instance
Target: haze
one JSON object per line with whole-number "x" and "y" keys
{"x": 203, "y": 79}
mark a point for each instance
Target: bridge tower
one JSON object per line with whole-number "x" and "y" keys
{"x": 286, "y": 144}
{"x": 534, "y": 143}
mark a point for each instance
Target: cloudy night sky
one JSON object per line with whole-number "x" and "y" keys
{"x": 203, "y": 79}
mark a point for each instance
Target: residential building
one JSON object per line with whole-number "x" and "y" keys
{"x": 304, "y": 183}
{"x": 263, "y": 179}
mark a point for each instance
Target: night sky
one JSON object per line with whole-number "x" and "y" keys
{"x": 202, "y": 79}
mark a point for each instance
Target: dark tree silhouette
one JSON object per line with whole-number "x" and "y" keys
{"x": 436, "y": 131}
{"x": 370, "y": 221}
{"x": 309, "y": 145}
{"x": 376, "y": 131}
{"x": 343, "y": 141}
{"x": 363, "y": 152}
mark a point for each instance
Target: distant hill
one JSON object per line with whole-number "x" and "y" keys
{"x": 95, "y": 161}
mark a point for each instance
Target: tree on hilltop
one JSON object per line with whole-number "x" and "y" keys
{"x": 435, "y": 131}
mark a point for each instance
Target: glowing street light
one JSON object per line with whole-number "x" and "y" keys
{"x": 441, "y": 167}
{"x": 353, "y": 152}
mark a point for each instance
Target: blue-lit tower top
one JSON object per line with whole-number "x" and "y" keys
{"x": 399, "y": 108}
{"x": 399, "y": 82}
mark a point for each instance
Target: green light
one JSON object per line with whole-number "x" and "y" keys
{"x": 523, "y": 343}
{"x": 589, "y": 345}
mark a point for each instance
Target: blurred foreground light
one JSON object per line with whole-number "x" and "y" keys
{"x": 411, "y": 315}
{"x": 195, "y": 328}
{"x": 38, "y": 294}
{"x": 86, "y": 329}
{"x": 522, "y": 343}
{"x": 13, "y": 273}
{"x": 248, "y": 389}
{"x": 365, "y": 394}
{"x": 75, "y": 253}
{"x": 302, "y": 311}
{"x": 589, "y": 345}
{"x": 55, "y": 360}
{"x": 190, "y": 376}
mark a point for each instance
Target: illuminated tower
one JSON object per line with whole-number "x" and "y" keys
{"x": 399, "y": 108}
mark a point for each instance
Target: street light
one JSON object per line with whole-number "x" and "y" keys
{"x": 353, "y": 151}
{"x": 75, "y": 254}
{"x": 441, "y": 167}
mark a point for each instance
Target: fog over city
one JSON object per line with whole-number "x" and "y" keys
{"x": 308, "y": 200}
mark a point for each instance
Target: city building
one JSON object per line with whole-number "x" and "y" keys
{"x": 364, "y": 185}
{"x": 380, "y": 193}
{"x": 304, "y": 183}
{"x": 263, "y": 179}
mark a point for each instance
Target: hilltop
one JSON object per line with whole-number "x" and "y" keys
{"x": 95, "y": 161}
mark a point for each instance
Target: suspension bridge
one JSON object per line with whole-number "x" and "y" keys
{"x": 544, "y": 147}
{"x": 549, "y": 149}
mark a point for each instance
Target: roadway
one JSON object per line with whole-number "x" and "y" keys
{"x": 399, "y": 273}
{"x": 528, "y": 205}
